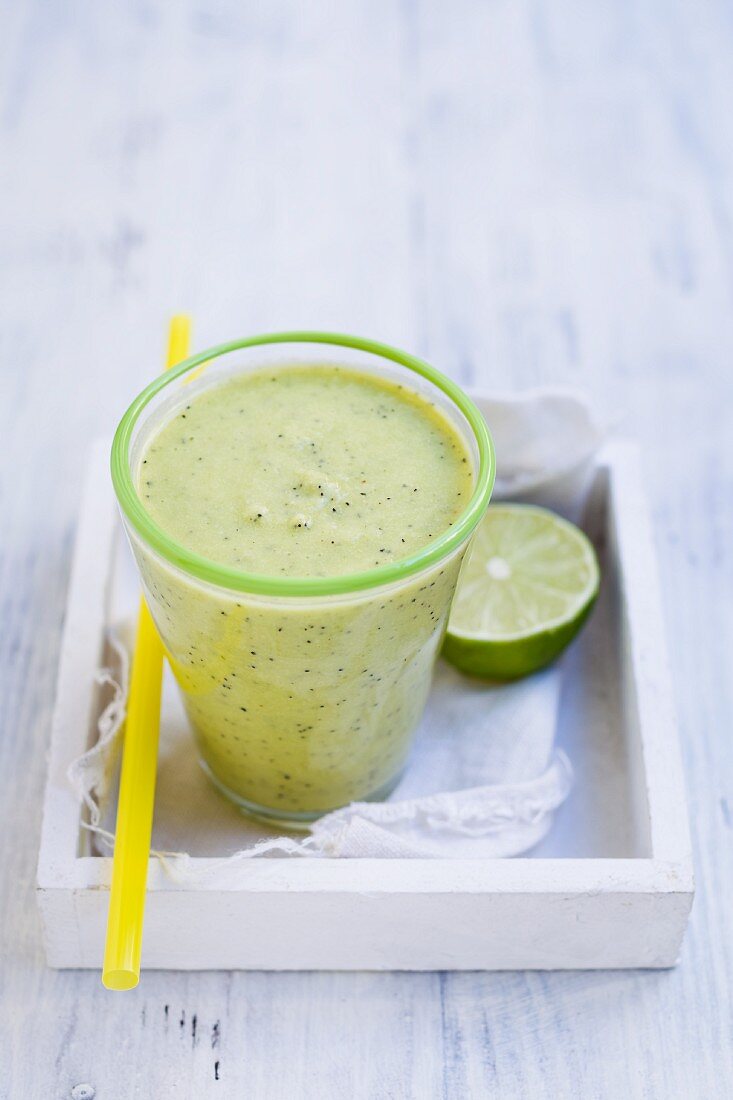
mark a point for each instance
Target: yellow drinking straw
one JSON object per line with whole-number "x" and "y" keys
{"x": 134, "y": 826}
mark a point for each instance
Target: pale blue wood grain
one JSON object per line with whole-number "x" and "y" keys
{"x": 525, "y": 193}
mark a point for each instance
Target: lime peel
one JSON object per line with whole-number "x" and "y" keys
{"x": 526, "y": 588}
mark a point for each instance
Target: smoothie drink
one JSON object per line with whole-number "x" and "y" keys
{"x": 300, "y": 481}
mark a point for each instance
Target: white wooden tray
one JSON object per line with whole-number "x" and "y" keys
{"x": 611, "y": 886}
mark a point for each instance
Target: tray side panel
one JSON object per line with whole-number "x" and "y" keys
{"x": 649, "y": 699}
{"x": 82, "y": 646}
{"x": 350, "y": 931}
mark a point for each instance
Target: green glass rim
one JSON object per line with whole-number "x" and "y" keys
{"x": 263, "y": 584}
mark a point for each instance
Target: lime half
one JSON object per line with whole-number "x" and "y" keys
{"x": 524, "y": 592}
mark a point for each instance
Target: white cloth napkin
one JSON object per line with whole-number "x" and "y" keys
{"x": 484, "y": 778}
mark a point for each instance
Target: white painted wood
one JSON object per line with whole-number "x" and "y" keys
{"x": 381, "y": 914}
{"x": 294, "y": 928}
{"x": 525, "y": 193}
{"x": 77, "y": 703}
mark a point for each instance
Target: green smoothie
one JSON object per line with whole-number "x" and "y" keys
{"x": 300, "y": 706}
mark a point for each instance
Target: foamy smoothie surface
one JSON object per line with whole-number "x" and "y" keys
{"x": 306, "y": 471}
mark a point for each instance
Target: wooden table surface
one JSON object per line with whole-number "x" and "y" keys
{"x": 523, "y": 192}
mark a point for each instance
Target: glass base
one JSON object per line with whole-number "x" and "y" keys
{"x": 297, "y": 822}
